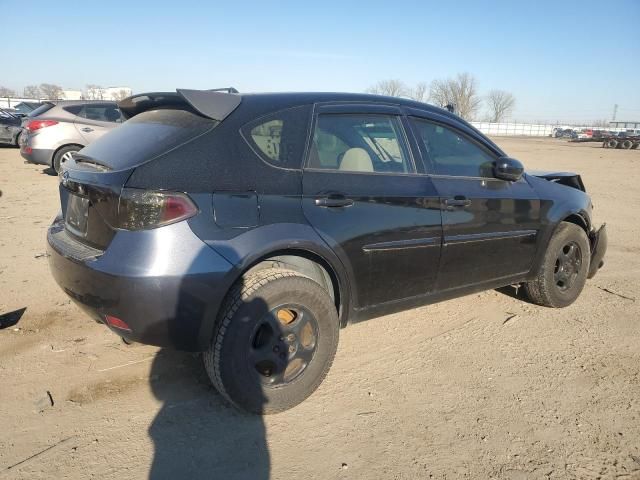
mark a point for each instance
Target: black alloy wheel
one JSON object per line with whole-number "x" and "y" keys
{"x": 568, "y": 266}
{"x": 283, "y": 344}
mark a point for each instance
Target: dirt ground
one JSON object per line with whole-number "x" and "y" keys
{"x": 485, "y": 386}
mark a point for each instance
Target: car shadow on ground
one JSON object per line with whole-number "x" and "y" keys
{"x": 196, "y": 434}
{"x": 11, "y": 319}
{"x": 49, "y": 171}
{"x": 515, "y": 291}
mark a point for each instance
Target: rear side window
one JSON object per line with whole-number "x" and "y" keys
{"x": 73, "y": 109}
{"x": 279, "y": 138}
{"x": 101, "y": 113}
{"x": 452, "y": 153}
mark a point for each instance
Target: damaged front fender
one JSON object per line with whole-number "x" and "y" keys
{"x": 598, "y": 239}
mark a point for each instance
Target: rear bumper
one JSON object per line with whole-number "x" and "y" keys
{"x": 165, "y": 284}
{"x": 40, "y": 156}
{"x": 599, "y": 240}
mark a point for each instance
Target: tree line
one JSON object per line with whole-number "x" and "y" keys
{"x": 49, "y": 91}
{"x": 459, "y": 93}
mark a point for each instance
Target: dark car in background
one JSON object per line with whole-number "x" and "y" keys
{"x": 10, "y": 127}
{"x": 54, "y": 131}
{"x": 252, "y": 227}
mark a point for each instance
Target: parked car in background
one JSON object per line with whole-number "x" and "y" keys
{"x": 568, "y": 133}
{"x": 56, "y": 130}
{"x": 10, "y": 128}
{"x": 252, "y": 227}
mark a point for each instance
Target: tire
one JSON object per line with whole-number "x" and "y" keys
{"x": 62, "y": 154}
{"x": 558, "y": 283}
{"x": 627, "y": 144}
{"x": 253, "y": 361}
{"x": 613, "y": 143}
{"x": 635, "y": 146}
{"x": 17, "y": 144}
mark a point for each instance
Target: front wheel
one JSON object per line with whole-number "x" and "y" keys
{"x": 564, "y": 269}
{"x": 274, "y": 341}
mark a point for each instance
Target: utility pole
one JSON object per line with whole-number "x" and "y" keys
{"x": 615, "y": 111}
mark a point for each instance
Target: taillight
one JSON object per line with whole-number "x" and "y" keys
{"x": 144, "y": 209}
{"x": 34, "y": 125}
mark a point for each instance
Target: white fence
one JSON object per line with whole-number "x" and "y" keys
{"x": 509, "y": 129}
{"x": 12, "y": 102}
{"x": 534, "y": 129}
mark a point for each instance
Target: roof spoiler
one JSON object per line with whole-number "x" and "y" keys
{"x": 215, "y": 104}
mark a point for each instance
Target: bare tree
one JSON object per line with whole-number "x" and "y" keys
{"x": 420, "y": 92}
{"x": 95, "y": 92}
{"x": 390, "y": 88}
{"x": 120, "y": 95}
{"x": 500, "y": 103}
{"x": 31, "y": 91}
{"x": 51, "y": 91}
{"x": 461, "y": 92}
{"x": 7, "y": 92}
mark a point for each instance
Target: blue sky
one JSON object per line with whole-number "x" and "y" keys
{"x": 553, "y": 56}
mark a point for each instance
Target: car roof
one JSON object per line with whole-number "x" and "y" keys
{"x": 321, "y": 97}
{"x": 66, "y": 103}
{"x": 217, "y": 104}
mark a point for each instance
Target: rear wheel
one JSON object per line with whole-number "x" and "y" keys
{"x": 64, "y": 154}
{"x": 274, "y": 342}
{"x": 613, "y": 143}
{"x": 627, "y": 144}
{"x": 564, "y": 268}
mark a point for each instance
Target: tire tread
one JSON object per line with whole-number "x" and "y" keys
{"x": 238, "y": 294}
{"x": 538, "y": 289}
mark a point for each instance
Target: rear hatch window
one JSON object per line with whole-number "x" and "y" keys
{"x": 45, "y": 107}
{"x": 146, "y": 136}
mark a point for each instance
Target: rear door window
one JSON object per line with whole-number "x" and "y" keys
{"x": 359, "y": 143}
{"x": 279, "y": 138}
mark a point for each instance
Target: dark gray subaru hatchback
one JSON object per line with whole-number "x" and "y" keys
{"x": 252, "y": 227}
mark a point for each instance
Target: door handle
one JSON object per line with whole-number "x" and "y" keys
{"x": 87, "y": 129}
{"x": 334, "y": 201}
{"x": 457, "y": 201}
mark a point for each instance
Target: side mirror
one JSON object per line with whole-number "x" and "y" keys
{"x": 506, "y": 168}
